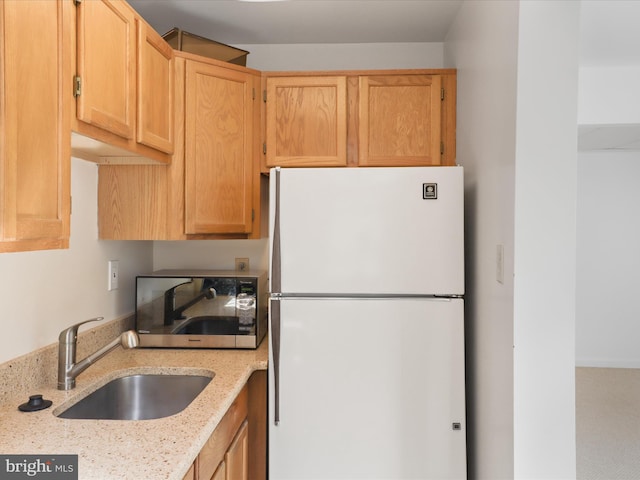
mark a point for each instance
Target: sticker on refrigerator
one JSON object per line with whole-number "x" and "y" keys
{"x": 429, "y": 191}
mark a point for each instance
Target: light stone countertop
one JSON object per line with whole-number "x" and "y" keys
{"x": 159, "y": 449}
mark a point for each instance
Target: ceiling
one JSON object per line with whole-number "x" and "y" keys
{"x": 609, "y": 32}
{"x": 304, "y": 21}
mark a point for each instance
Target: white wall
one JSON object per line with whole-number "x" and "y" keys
{"x": 545, "y": 240}
{"x": 210, "y": 254}
{"x": 517, "y": 140}
{"x": 607, "y": 233}
{"x": 349, "y": 56}
{"x": 608, "y": 260}
{"x": 482, "y": 45}
{"x": 43, "y": 292}
{"x": 609, "y": 95}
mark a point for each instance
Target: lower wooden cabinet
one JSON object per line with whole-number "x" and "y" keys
{"x": 236, "y": 460}
{"x": 191, "y": 474}
{"x": 221, "y": 472}
{"x": 237, "y": 448}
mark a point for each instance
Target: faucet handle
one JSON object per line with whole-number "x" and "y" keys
{"x": 68, "y": 335}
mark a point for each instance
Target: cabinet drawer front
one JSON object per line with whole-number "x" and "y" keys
{"x": 214, "y": 451}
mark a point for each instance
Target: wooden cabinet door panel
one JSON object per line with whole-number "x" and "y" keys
{"x": 399, "y": 120}
{"x": 237, "y": 457}
{"x": 214, "y": 451}
{"x": 35, "y": 130}
{"x": 191, "y": 474}
{"x": 218, "y": 140}
{"x": 155, "y": 89}
{"x": 106, "y": 64}
{"x": 306, "y": 121}
{"x": 220, "y": 473}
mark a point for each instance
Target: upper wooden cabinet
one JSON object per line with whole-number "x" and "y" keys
{"x": 306, "y": 121}
{"x": 219, "y": 167}
{"x": 106, "y": 66}
{"x": 360, "y": 118}
{"x": 155, "y": 89}
{"x": 213, "y": 187}
{"x": 124, "y": 85}
{"x": 399, "y": 120}
{"x": 35, "y": 67}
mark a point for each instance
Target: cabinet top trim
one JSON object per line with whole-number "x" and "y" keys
{"x": 321, "y": 73}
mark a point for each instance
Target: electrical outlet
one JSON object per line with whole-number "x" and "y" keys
{"x": 113, "y": 275}
{"x": 242, "y": 264}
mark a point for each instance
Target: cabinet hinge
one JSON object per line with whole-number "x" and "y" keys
{"x": 441, "y": 148}
{"x": 77, "y": 86}
{"x": 442, "y": 94}
{"x": 253, "y": 93}
{"x": 264, "y": 96}
{"x": 264, "y": 148}
{"x": 253, "y": 214}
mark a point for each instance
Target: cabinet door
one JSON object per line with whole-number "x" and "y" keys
{"x": 220, "y": 473}
{"x": 155, "y": 89}
{"x": 218, "y": 140}
{"x": 106, "y": 65}
{"x": 191, "y": 474}
{"x": 306, "y": 121}
{"x": 35, "y": 130}
{"x": 237, "y": 457}
{"x": 399, "y": 120}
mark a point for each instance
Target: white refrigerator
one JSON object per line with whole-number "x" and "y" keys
{"x": 366, "y": 372}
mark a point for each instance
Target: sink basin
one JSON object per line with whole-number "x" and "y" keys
{"x": 139, "y": 397}
{"x": 209, "y": 325}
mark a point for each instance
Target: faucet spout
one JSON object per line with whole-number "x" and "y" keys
{"x": 69, "y": 369}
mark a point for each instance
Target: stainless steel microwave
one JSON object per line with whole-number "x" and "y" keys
{"x": 201, "y": 309}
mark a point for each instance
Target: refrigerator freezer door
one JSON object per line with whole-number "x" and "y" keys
{"x": 370, "y": 230}
{"x": 369, "y": 389}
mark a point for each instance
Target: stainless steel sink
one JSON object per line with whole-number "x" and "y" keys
{"x": 139, "y": 397}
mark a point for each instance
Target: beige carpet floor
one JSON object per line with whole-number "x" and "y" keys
{"x": 608, "y": 423}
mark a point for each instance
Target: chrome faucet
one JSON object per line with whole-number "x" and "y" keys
{"x": 68, "y": 369}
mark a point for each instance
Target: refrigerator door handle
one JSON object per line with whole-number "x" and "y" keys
{"x": 276, "y": 270}
{"x": 276, "y": 289}
{"x": 275, "y": 351}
